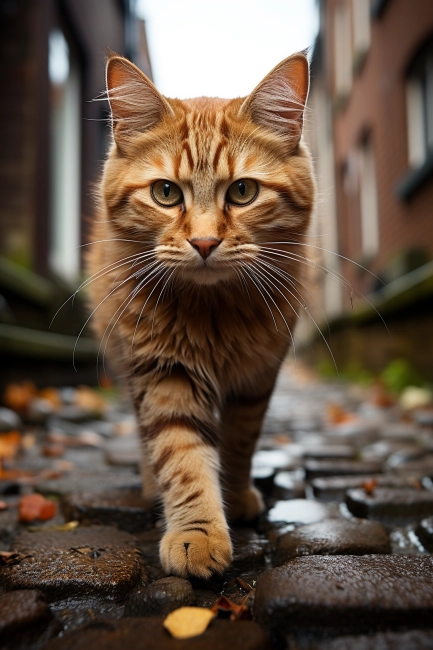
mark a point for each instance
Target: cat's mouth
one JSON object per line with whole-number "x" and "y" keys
{"x": 208, "y": 269}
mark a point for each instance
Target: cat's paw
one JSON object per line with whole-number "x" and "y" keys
{"x": 245, "y": 504}
{"x": 195, "y": 553}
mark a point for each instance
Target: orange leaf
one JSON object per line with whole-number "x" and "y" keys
{"x": 34, "y": 506}
{"x": 18, "y": 396}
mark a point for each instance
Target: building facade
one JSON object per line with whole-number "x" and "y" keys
{"x": 53, "y": 138}
{"x": 371, "y": 133}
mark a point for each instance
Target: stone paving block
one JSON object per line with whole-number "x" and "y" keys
{"x": 160, "y": 598}
{"x": 328, "y": 452}
{"x": 289, "y": 486}
{"x": 124, "y": 451}
{"x": 96, "y": 537}
{"x": 391, "y": 504}
{"x": 404, "y": 541}
{"x": 332, "y": 537}
{"x": 90, "y": 481}
{"x": 263, "y": 478}
{"x": 248, "y": 550}
{"x": 126, "y": 509}
{"x": 8, "y": 526}
{"x": 412, "y": 640}
{"x": 149, "y": 634}
{"x": 334, "y": 488}
{"x": 422, "y": 466}
{"x": 300, "y": 511}
{"x": 346, "y": 593}
{"x": 85, "y": 571}
{"x": 21, "y": 608}
{"x": 318, "y": 468}
{"x": 425, "y": 533}
{"x": 26, "y": 621}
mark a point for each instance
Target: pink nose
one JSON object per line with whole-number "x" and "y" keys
{"x": 205, "y": 246}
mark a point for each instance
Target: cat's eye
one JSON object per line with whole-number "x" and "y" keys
{"x": 166, "y": 193}
{"x": 242, "y": 192}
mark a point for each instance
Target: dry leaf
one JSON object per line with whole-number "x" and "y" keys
{"x": 337, "y": 415}
{"x": 3, "y": 505}
{"x": 369, "y": 486}
{"x": 32, "y": 507}
{"x": 53, "y": 451}
{"x": 7, "y": 558}
{"x": 187, "y": 622}
{"x": 236, "y": 611}
{"x": 89, "y": 400}
{"x": 9, "y": 444}
{"x": 53, "y": 396}
{"x": 18, "y": 396}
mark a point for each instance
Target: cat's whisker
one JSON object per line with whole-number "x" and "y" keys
{"x": 270, "y": 284}
{"x": 91, "y": 279}
{"x": 159, "y": 298}
{"x": 327, "y": 250}
{"x": 139, "y": 318}
{"x": 333, "y": 274}
{"x": 291, "y": 279}
{"x": 248, "y": 272}
{"x": 154, "y": 268}
{"x": 320, "y": 332}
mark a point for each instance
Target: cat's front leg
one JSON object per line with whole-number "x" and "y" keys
{"x": 177, "y": 423}
{"x": 241, "y": 425}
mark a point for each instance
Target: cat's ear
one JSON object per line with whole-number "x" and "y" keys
{"x": 278, "y": 102}
{"x": 136, "y": 105}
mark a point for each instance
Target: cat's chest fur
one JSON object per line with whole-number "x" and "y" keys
{"x": 215, "y": 332}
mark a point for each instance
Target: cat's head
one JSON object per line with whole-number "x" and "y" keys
{"x": 206, "y": 183}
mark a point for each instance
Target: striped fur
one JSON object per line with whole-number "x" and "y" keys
{"x": 199, "y": 343}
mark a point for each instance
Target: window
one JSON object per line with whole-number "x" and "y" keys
{"x": 368, "y": 199}
{"x": 419, "y": 101}
{"x": 361, "y": 27}
{"x": 343, "y": 49}
{"x": 65, "y": 103}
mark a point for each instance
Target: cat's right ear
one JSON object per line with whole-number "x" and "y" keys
{"x": 136, "y": 105}
{"x": 278, "y": 102}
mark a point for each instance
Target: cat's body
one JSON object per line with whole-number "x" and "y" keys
{"x": 198, "y": 321}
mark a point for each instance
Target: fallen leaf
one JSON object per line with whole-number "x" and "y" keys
{"x": 9, "y": 444}
{"x": 32, "y": 507}
{"x": 53, "y": 451}
{"x": 53, "y": 396}
{"x": 3, "y": 505}
{"x": 186, "y": 622}
{"x": 337, "y": 415}
{"x": 369, "y": 486}
{"x": 89, "y": 400}
{"x": 18, "y": 396}
{"x": 236, "y": 611}
{"x": 10, "y": 557}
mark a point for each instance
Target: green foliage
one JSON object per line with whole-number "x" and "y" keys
{"x": 399, "y": 374}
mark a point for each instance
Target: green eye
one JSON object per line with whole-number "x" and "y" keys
{"x": 166, "y": 193}
{"x": 242, "y": 192}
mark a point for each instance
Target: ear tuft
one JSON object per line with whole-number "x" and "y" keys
{"x": 136, "y": 105}
{"x": 278, "y": 102}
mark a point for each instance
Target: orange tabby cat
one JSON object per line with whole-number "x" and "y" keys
{"x": 197, "y": 287}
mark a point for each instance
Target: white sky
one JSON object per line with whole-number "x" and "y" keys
{"x": 222, "y": 48}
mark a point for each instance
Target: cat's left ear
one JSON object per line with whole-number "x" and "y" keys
{"x": 278, "y": 102}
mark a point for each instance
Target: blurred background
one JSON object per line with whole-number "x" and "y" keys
{"x": 369, "y": 125}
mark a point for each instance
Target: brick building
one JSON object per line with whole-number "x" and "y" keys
{"x": 371, "y": 134}
{"x": 53, "y": 140}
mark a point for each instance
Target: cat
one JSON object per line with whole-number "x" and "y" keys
{"x": 196, "y": 286}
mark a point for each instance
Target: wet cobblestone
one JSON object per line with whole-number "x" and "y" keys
{"x": 341, "y": 558}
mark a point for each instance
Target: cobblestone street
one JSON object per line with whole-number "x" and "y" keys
{"x": 341, "y": 560}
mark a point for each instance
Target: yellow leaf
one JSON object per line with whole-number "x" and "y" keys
{"x": 187, "y": 622}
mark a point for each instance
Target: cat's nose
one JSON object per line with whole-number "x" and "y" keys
{"x": 205, "y": 246}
